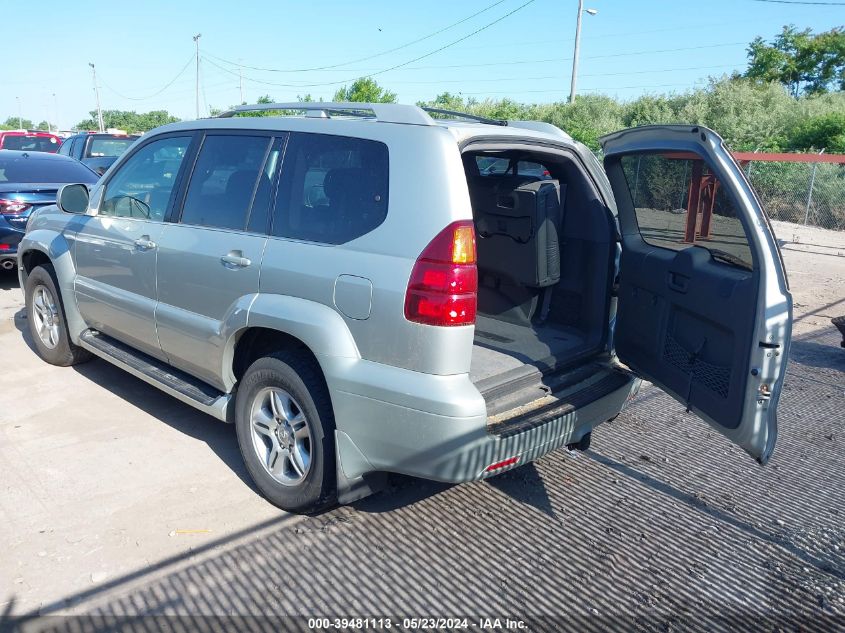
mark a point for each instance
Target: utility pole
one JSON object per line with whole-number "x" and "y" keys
{"x": 581, "y": 11}
{"x": 56, "y": 111}
{"x": 241, "y": 79}
{"x": 20, "y": 117}
{"x": 197, "y": 42}
{"x": 100, "y": 126}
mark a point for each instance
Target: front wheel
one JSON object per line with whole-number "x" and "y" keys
{"x": 285, "y": 428}
{"x": 46, "y": 316}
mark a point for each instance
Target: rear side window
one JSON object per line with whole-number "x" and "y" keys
{"x": 679, "y": 203}
{"x": 501, "y": 166}
{"x": 333, "y": 188}
{"x": 109, "y": 147}
{"x": 224, "y": 180}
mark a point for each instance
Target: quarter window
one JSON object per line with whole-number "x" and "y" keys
{"x": 333, "y": 188}
{"x": 64, "y": 148}
{"x": 680, "y": 203}
{"x": 224, "y": 180}
{"x": 142, "y": 186}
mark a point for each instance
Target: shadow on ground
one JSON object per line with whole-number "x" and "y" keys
{"x": 664, "y": 525}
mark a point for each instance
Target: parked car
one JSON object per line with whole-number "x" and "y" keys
{"x": 29, "y": 181}
{"x": 97, "y": 151}
{"x": 30, "y": 141}
{"x": 359, "y": 298}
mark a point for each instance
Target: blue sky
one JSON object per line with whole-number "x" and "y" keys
{"x": 629, "y": 48}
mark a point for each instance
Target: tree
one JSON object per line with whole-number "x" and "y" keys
{"x": 365, "y": 90}
{"x": 826, "y": 131}
{"x": 802, "y": 61}
{"x": 14, "y": 123}
{"x": 129, "y": 121}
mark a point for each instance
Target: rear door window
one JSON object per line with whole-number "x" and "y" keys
{"x": 680, "y": 203}
{"x": 333, "y": 188}
{"x": 225, "y": 179}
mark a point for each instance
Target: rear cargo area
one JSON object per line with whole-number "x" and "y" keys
{"x": 545, "y": 256}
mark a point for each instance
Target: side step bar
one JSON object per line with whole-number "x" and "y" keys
{"x": 172, "y": 381}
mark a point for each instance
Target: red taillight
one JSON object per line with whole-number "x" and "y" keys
{"x": 5, "y": 247}
{"x": 444, "y": 282}
{"x": 13, "y": 207}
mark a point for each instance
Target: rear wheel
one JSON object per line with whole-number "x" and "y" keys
{"x": 46, "y": 317}
{"x": 285, "y": 429}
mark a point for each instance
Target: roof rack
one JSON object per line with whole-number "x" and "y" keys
{"x": 464, "y": 115}
{"x": 383, "y": 112}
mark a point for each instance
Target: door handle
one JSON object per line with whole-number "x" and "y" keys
{"x": 235, "y": 259}
{"x": 677, "y": 282}
{"x": 144, "y": 243}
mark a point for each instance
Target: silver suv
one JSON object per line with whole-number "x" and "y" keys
{"x": 361, "y": 293}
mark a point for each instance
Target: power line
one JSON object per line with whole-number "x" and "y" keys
{"x": 363, "y": 59}
{"x": 158, "y": 92}
{"x": 384, "y": 70}
{"x": 585, "y": 90}
{"x": 532, "y": 61}
{"x": 834, "y": 4}
{"x": 558, "y": 77}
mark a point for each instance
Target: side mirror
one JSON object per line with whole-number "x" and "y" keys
{"x": 73, "y": 198}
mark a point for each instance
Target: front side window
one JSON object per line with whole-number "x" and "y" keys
{"x": 224, "y": 180}
{"x": 680, "y": 203}
{"x": 333, "y": 188}
{"x": 142, "y": 186}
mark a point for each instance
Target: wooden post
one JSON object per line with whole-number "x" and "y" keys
{"x": 693, "y": 201}
{"x": 709, "y": 203}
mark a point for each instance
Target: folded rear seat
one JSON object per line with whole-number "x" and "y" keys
{"x": 517, "y": 225}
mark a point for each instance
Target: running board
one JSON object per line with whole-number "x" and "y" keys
{"x": 170, "y": 380}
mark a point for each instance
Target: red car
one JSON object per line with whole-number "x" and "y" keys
{"x": 30, "y": 141}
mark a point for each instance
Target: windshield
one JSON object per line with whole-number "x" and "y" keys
{"x": 21, "y": 169}
{"x": 31, "y": 143}
{"x": 111, "y": 147}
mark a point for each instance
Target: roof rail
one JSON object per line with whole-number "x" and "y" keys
{"x": 464, "y": 115}
{"x": 383, "y": 112}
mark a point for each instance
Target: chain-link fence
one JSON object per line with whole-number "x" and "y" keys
{"x": 809, "y": 193}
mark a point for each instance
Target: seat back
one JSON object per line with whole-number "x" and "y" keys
{"x": 517, "y": 220}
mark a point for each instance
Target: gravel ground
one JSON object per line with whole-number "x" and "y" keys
{"x": 663, "y": 525}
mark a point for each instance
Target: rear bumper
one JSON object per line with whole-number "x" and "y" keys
{"x": 435, "y": 427}
{"x": 9, "y": 240}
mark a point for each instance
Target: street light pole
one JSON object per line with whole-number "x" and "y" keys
{"x": 101, "y": 127}
{"x": 241, "y": 81}
{"x": 20, "y": 117}
{"x": 581, "y": 11}
{"x": 197, "y": 42}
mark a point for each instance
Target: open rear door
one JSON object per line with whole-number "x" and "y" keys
{"x": 704, "y": 309}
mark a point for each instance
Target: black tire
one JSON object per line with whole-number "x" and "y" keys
{"x": 64, "y": 353}
{"x": 297, "y": 374}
